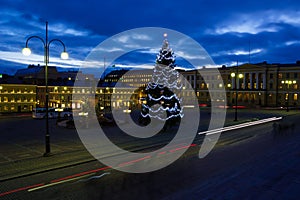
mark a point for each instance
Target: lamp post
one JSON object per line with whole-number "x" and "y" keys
{"x": 288, "y": 83}
{"x": 236, "y": 75}
{"x": 64, "y": 55}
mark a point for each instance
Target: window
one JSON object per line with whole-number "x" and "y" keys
{"x": 271, "y": 75}
{"x": 295, "y": 75}
{"x": 296, "y": 86}
{"x": 295, "y": 97}
{"x": 287, "y": 75}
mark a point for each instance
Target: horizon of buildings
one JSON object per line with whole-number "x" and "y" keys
{"x": 255, "y": 85}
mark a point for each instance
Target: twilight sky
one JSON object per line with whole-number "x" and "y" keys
{"x": 226, "y": 29}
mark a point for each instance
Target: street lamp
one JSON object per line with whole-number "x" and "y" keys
{"x": 235, "y": 76}
{"x": 64, "y": 55}
{"x": 288, "y": 83}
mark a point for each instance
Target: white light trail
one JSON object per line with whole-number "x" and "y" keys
{"x": 238, "y": 126}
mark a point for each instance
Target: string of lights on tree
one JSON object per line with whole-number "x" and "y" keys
{"x": 162, "y": 103}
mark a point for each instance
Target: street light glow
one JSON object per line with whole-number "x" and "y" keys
{"x": 26, "y": 51}
{"x": 241, "y": 75}
{"x": 232, "y": 74}
{"x": 64, "y": 55}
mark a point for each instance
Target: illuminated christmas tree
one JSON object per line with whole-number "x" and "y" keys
{"x": 162, "y": 103}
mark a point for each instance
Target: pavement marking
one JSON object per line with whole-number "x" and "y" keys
{"x": 239, "y": 126}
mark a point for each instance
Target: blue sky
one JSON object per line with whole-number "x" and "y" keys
{"x": 226, "y": 29}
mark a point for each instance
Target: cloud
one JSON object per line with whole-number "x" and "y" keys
{"x": 62, "y": 29}
{"x": 18, "y": 57}
{"x": 257, "y": 22}
{"x": 289, "y": 43}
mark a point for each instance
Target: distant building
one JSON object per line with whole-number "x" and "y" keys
{"x": 17, "y": 97}
{"x": 254, "y": 85}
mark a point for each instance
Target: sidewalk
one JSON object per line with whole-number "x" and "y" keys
{"x": 13, "y": 115}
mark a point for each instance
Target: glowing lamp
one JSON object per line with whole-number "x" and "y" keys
{"x": 64, "y": 55}
{"x": 26, "y": 51}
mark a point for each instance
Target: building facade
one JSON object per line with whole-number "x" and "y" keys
{"x": 17, "y": 97}
{"x": 250, "y": 85}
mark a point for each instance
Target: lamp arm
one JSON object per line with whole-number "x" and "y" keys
{"x": 58, "y": 40}
{"x": 35, "y": 37}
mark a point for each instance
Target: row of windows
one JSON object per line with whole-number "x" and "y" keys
{"x": 19, "y": 100}
{"x": 192, "y": 77}
{"x": 14, "y": 108}
{"x": 16, "y": 92}
{"x": 286, "y": 75}
{"x": 137, "y": 76}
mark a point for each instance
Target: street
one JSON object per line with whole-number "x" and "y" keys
{"x": 243, "y": 164}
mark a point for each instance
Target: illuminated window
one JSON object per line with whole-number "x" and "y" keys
{"x": 202, "y": 85}
{"x": 295, "y": 86}
{"x": 295, "y": 97}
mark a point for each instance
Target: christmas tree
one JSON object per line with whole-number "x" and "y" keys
{"x": 162, "y": 103}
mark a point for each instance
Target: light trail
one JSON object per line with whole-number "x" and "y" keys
{"x": 239, "y": 126}
{"x": 56, "y": 183}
